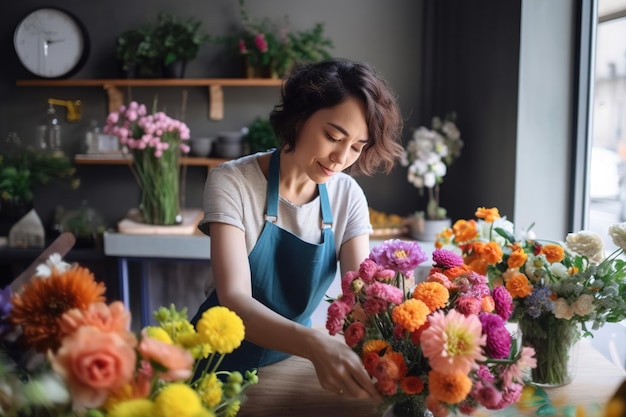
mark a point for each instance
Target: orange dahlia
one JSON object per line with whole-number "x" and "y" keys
{"x": 41, "y": 303}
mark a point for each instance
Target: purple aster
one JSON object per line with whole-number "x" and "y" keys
{"x": 399, "y": 255}
{"x": 498, "y": 337}
{"x": 5, "y": 308}
{"x": 444, "y": 258}
{"x": 539, "y": 301}
{"x": 503, "y": 301}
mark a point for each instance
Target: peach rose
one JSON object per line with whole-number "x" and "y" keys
{"x": 93, "y": 364}
{"x": 113, "y": 318}
{"x": 178, "y": 361}
{"x": 562, "y": 310}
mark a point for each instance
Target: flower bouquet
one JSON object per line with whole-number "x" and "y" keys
{"x": 155, "y": 142}
{"x": 68, "y": 353}
{"x": 558, "y": 288}
{"x": 442, "y": 345}
{"x": 428, "y": 154}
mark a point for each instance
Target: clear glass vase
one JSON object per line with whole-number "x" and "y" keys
{"x": 159, "y": 179}
{"x": 556, "y": 348}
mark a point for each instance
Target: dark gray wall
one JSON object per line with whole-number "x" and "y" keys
{"x": 439, "y": 55}
{"x": 387, "y": 37}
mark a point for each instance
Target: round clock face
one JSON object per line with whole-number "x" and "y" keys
{"x": 50, "y": 43}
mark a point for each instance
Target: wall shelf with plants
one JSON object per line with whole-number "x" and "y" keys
{"x": 116, "y": 96}
{"x": 82, "y": 159}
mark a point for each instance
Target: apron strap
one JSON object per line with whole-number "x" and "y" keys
{"x": 272, "y": 188}
{"x": 327, "y": 215}
{"x": 272, "y": 194}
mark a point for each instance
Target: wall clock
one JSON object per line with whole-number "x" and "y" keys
{"x": 51, "y": 43}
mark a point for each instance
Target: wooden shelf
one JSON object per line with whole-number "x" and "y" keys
{"x": 116, "y": 160}
{"x": 116, "y": 97}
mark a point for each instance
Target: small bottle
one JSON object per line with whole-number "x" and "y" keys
{"x": 49, "y": 131}
{"x": 92, "y": 136}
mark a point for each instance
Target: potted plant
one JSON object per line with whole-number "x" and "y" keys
{"x": 427, "y": 156}
{"x": 20, "y": 171}
{"x": 136, "y": 54}
{"x": 160, "y": 49}
{"x": 271, "y": 50}
{"x": 177, "y": 42}
{"x": 260, "y": 136}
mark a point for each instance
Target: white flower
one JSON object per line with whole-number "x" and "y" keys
{"x": 618, "y": 235}
{"x": 558, "y": 270}
{"x": 54, "y": 262}
{"x": 562, "y": 310}
{"x": 583, "y": 305}
{"x": 587, "y": 244}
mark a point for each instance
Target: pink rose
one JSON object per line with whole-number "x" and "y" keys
{"x": 178, "y": 361}
{"x": 93, "y": 363}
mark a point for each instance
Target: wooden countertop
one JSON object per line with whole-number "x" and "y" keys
{"x": 290, "y": 388}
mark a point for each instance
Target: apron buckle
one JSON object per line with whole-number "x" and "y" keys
{"x": 272, "y": 219}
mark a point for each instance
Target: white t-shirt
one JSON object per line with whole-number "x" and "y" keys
{"x": 235, "y": 193}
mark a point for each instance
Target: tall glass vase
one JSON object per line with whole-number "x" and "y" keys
{"x": 159, "y": 179}
{"x": 556, "y": 348}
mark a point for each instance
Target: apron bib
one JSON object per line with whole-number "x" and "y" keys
{"x": 289, "y": 276}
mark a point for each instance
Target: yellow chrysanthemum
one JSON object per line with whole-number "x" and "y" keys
{"x": 159, "y": 334}
{"x": 138, "y": 407}
{"x": 232, "y": 409}
{"x": 178, "y": 328}
{"x": 221, "y": 329}
{"x": 433, "y": 294}
{"x": 210, "y": 389}
{"x": 118, "y": 396}
{"x": 178, "y": 400}
{"x": 192, "y": 343}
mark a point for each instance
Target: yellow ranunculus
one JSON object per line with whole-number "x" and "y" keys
{"x": 221, "y": 329}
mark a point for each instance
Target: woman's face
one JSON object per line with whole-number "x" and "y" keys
{"x": 331, "y": 140}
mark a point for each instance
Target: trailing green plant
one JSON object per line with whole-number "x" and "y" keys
{"x": 261, "y": 136}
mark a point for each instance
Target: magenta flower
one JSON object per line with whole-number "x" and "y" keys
{"x": 399, "y": 255}
{"x": 261, "y": 43}
{"x": 367, "y": 270}
{"x": 498, "y": 337}
{"x": 443, "y": 258}
{"x": 503, "y": 301}
{"x": 385, "y": 292}
{"x": 242, "y": 47}
{"x": 373, "y": 306}
{"x": 468, "y": 305}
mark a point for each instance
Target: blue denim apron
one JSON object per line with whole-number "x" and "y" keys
{"x": 289, "y": 275}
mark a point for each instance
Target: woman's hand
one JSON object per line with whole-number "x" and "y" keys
{"x": 340, "y": 370}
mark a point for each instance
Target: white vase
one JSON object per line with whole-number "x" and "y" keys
{"x": 424, "y": 230}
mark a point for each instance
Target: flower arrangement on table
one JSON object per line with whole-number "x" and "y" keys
{"x": 558, "y": 288}
{"x": 442, "y": 345}
{"x": 155, "y": 142}
{"x": 83, "y": 360}
{"x": 427, "y": 155}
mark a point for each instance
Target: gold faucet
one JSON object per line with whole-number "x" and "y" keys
{"x": 73, "y": 108}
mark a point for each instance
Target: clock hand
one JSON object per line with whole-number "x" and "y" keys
{"x": 51, "y": 41}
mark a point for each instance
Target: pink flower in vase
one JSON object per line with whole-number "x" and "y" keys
{"x": 261, "y": 43}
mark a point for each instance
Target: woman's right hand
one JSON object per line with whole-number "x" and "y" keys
{"x": 339, "y": 369}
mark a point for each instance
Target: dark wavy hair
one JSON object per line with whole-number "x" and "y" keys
{"x": 315, "y": 86}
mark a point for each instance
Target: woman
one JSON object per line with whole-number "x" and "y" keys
{"x": 280, "y": 220}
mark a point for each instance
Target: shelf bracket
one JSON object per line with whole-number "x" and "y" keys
{"x": 216, "y": 102}
{"x": 116, "y": 97}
